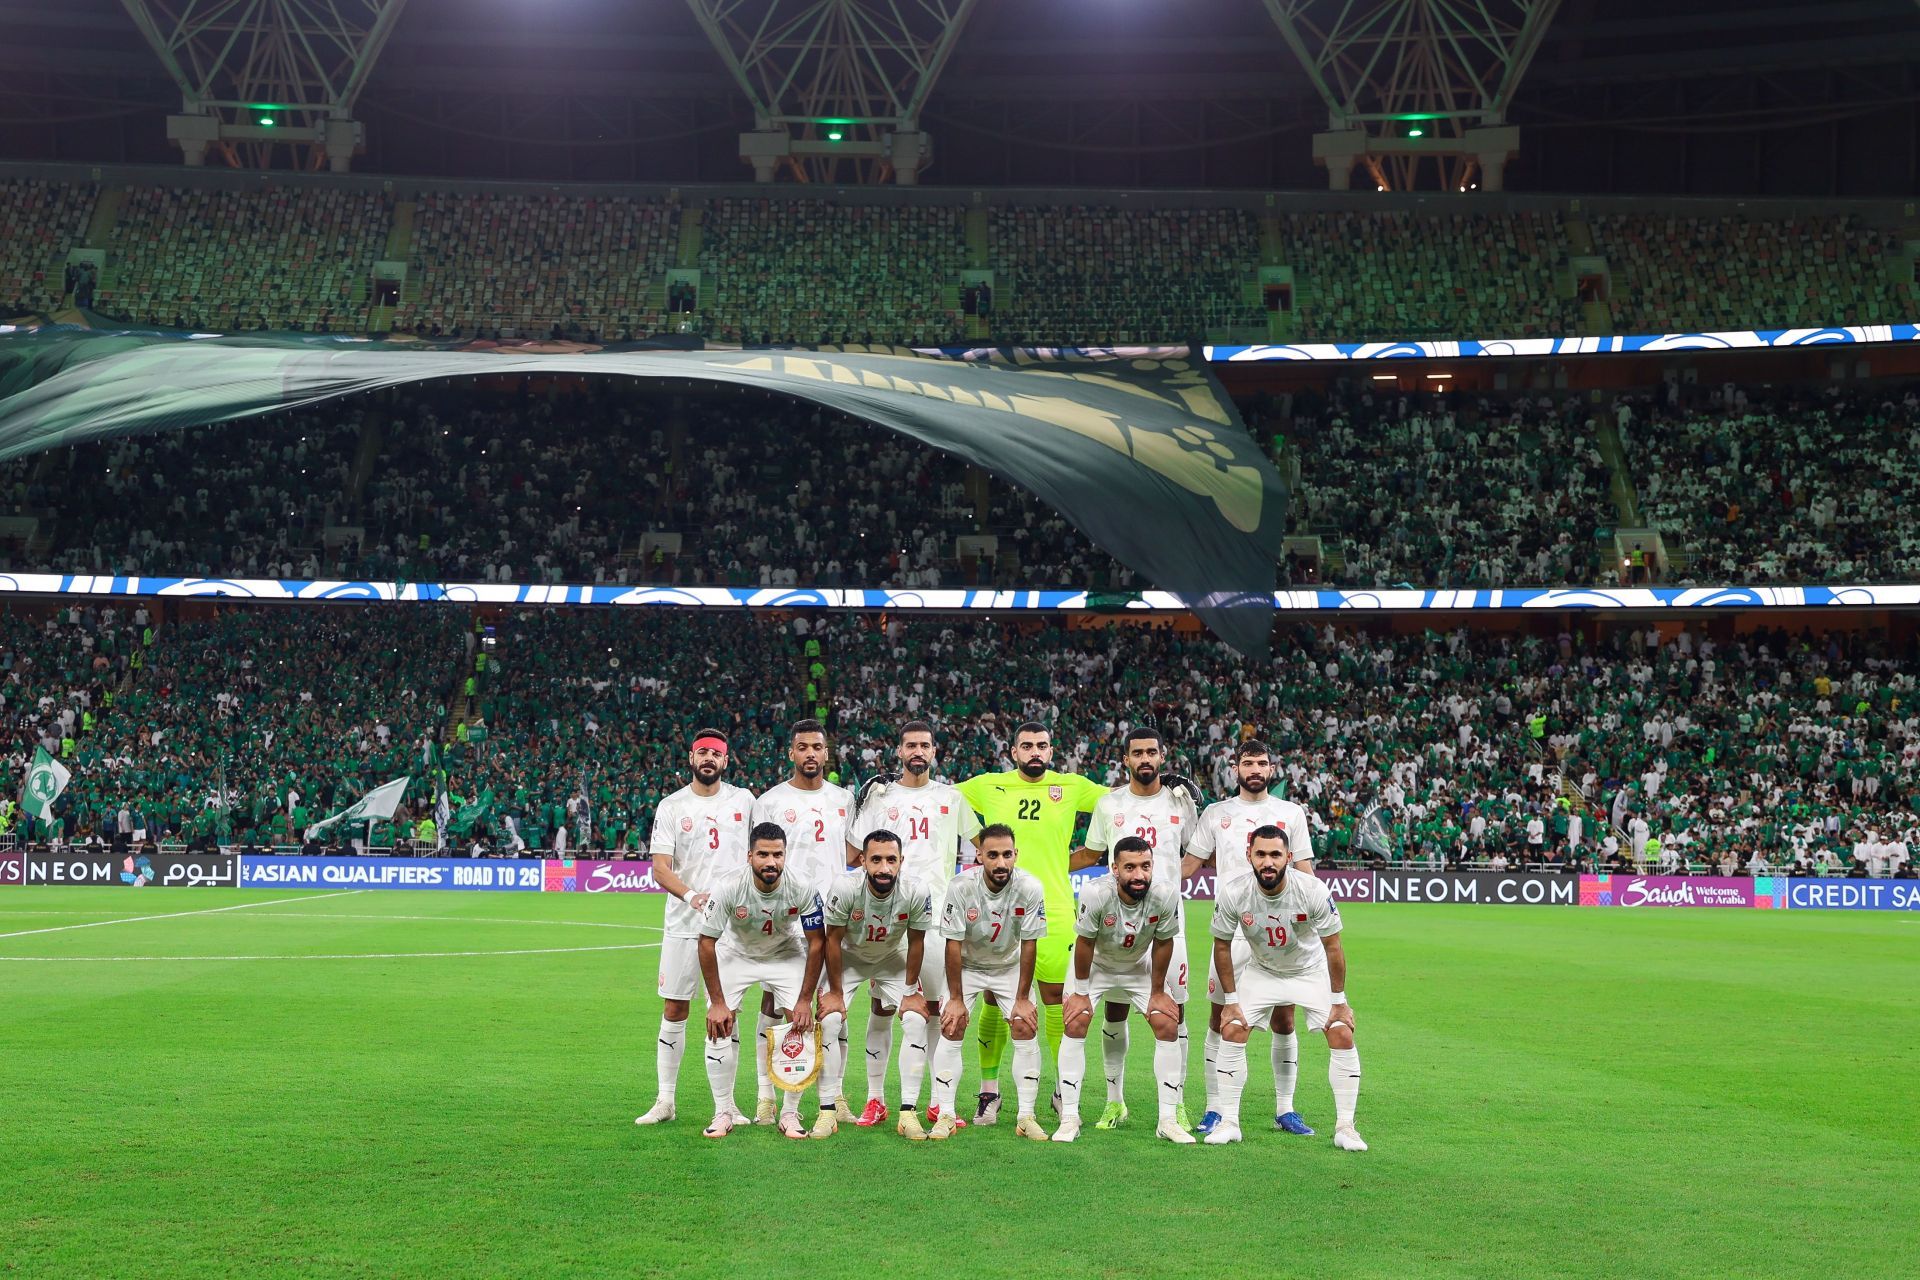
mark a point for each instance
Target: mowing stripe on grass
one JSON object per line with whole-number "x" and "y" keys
{"x": 370, "y": 955}
{"x": 175, "y": 915}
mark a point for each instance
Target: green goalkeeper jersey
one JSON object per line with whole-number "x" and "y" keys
{"x": 1042, "y": 814}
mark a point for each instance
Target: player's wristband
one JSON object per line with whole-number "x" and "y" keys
{"x": 914, "y": 990}
{"x": 1076, "y": 985}
{"x": 1339, "y": 997}
{"x": 1229, "y": 997}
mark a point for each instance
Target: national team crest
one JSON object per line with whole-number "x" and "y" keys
{"x": 893, "y": 815}
{"x": 686, "y": 824}
{"x": 740, "y": 913}
{"x": 1110, "y": 921}
{"x": 792, "y": 817}
{"x": 1226, "y": 824}
{"x": 858, "y": 915}
{"x": 793, "y": 1057}
{"x": 973, "y": 915}
{"x": 1247, "y": 920}
{"x": 1056, "y": 794}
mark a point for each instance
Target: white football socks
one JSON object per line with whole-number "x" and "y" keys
{"x": 833, "y": 1067}
{"x": 1026, "y": 1073}
{"x": 915, "y": 1059}
{"x": 760, "y": 1026}
{"x": 666, "y": 1058}
{"x": 946, "y": 1073}
{"x": 723, "y": 1064}
{"x": 1210, "y": 1062}
{"x": 1167, "y": 1057}
{"x": 1343, "y": 1073}
{"x": 1230, "y": 1074}
{"x": 1073, "y": 1068}
{"x": 1186, "y": 1055}
{"x": 1286, "y": 1070}
{"x": 879, "y": 1050}
{"x": 1113, "y": 1051}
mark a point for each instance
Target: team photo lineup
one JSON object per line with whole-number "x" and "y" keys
{"x": 953, "y": 905}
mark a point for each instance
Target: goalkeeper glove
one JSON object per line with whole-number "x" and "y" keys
{"x": 1182, "y": 783}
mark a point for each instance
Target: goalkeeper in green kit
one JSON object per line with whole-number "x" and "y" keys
{"x": 1042, "y": 807}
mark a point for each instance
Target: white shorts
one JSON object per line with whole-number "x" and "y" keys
{"x": 1000, "y": 984}
{"x": 1122, "y": 986}
{"x": 1261, "y": 993}
{"x": 779, "y": 978}
{"x": 885, "y": 979}
{"x": 933, "y": 971}
{"x": 680, "y": 969}
{"x": 1242, "y": 961}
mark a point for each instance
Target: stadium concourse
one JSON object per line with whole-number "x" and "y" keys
{"x": 1701, "y": 746}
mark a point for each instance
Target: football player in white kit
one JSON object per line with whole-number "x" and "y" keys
{"x": 1222, "y": 838}
{"x": 1288, "y": 927}
{"x": 699, "y": 834}
{"x": 877, "y": 926}
{"x": 936, "y": 827}
{"x": 760, "y": 929}
{"x": 1127, "y": 927}
{"x": 992, "y": 921}
{"x": 1159, "y": 809}
{"x": 813, "y": 813}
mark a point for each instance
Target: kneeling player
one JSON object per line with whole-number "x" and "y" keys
{"x": 876, "y": 935}
{"x": 763, "y": 930}
{"x": 1291, "y": 925}
{"x": 1128, "y": 927}
{"x": 992, "y": 920}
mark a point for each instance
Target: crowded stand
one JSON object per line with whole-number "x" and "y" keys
{"x": 1692, "y": 274}
{"x": 1782, "y": 484}
{"x": 1371, "y": 276}
{"x": 1089, "y": 274}
{"x": 808, "y": 271}
{"x": 1756, "y": 752}
{"x": 279, "y": 258}
{"x": 39, "y": 223}
{"x": 530, "y": 266}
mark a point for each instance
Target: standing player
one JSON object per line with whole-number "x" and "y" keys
{"x": 699, "y": 833}
{"x": 1128, "y": 928}
{"x": 1041, "y": 808}
{"x": 993, "y": 920}
{"x": 1222, "y": 838}
{"x": 761, "y": 929}
{"x": 1160, "y": 810}
{"x": 936, "y": 827}
{"x": 813, "y": 813}
{"x": 877, "y": 926}
{"x": 1288, "y": 927}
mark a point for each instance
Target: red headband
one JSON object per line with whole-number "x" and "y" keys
{"x": 711, "y": 744}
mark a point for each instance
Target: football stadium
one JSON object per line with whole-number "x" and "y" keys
{"x": 737, "y": 637}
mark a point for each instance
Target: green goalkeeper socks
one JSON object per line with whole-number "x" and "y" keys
{"x": 993, "y": 1037}
{"x": 1053, "y": 1021}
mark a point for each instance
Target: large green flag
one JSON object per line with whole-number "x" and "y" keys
{"x": 1137, "y": 446}
{"x": 471, "y": 814}
{"x": 46, "y": 779}
{"x": 377, "y": 805}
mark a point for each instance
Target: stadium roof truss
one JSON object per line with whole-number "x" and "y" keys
{"x": 263, "y": 78}
{"x": 836, "y": 86}
{"x": 1411, "y": 83}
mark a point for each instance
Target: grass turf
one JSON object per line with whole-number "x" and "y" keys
{"x": 1548, "y": 1092}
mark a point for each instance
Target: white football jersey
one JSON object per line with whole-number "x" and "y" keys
{"x": 1284, "y": 930}
{"x": 1166, "y": 821}
{"x": 991, "y": 926}
{"x": 706, "y": 836}
{"x": 1227, "y": 827}
{"x": 876, "y": 927}
{"x": 931, "y": 821}
{"x": 1124, "y": 933}
{"x": 816, "y": 826}
{"x": 761, "y": 926}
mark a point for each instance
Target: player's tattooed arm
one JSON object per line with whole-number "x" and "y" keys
{"x": 719, "y": 1017}
{"x": 667, "y": 878}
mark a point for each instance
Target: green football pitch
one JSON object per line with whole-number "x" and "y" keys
{"x": 217, "y": 1083}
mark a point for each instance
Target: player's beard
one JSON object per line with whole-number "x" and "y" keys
{"x": 1257, "y": 785}
{"x": 880, "y": 886}
{"x": 998, "y": 880}
{"x": 809, "y": 769}
{"x": 916, "y": 766}
{"x": 1033, "y": 770}
{"x": 706, "y": 774}
{"x": 1134, "y": 890}
{"x": 1279, "y": 878}
{"x": 769, "y": 878}
{"x": 1146, "y": 774}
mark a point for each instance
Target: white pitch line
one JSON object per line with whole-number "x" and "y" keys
{"x": 175, "y": 915}
{"x": 373, "y": 955}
